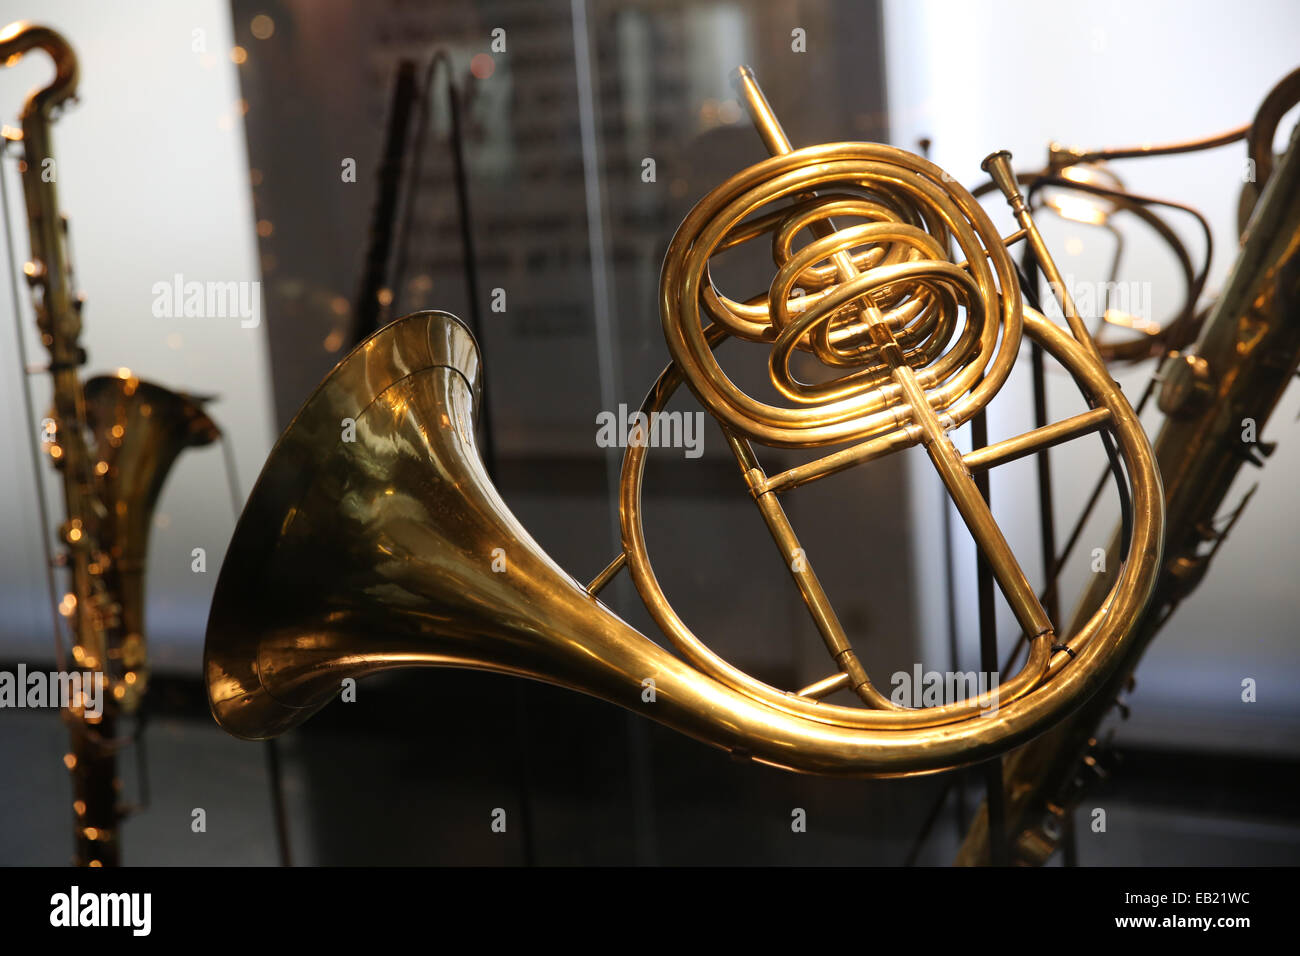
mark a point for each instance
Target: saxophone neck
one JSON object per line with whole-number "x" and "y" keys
{"x": 57, "y": 307}
{"x": 18, "y": 39}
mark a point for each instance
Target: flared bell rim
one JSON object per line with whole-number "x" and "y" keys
{"x": 412, "y": 344}
{"x": 201, "y": 429}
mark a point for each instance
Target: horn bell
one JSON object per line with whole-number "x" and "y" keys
{"x": 370, "y": 542}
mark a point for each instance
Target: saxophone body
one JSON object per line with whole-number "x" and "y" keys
{"x": 113, "y": 441}
{"x": 1214, "y": 395}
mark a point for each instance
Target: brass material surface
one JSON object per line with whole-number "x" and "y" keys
{"x": 1093, "y": 195}
{"x": 1247, "y": 354}
{"x": 355, "y": 556}
{"x": 998, "y": 166}
{"x": 138, "y": 430}
{"x": 1035, "y": 441}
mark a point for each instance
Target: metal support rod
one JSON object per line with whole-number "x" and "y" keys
{"x": 29, "y": 420}
{"x": 279, "y": 810}
{"x": 611, "y": 570}
{"x": 805, "y": 578}
{"x": 1046, "y": 506}
{"x": 368, "y": 312}
{"x": 1070, "y": 842}
{"x": 640, "y": 767}
{"x": 958, "y": 778}
{"x": 464, "y": 221}
{"x": 989, "y": 662}
{"x": 469, "y": 257}
{"x": 469, "y": 265}
{"x": 1039, "y": 439}
{"x": 277, "y": 801}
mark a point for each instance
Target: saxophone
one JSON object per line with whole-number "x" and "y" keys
{"x": 112, "y": 441}
{"x": 1225, "y": 385}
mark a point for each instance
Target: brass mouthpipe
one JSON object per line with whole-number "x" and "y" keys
{"x": 998, "y": 166}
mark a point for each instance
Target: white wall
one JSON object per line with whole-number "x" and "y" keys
{"x": 153, "y": 174}
{"x": 1017, "y": 74}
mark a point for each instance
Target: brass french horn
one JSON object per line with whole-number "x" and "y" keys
{"x": 368, "y": 542}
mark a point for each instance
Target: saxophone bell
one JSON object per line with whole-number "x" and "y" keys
{"x": 138, "y": 430}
